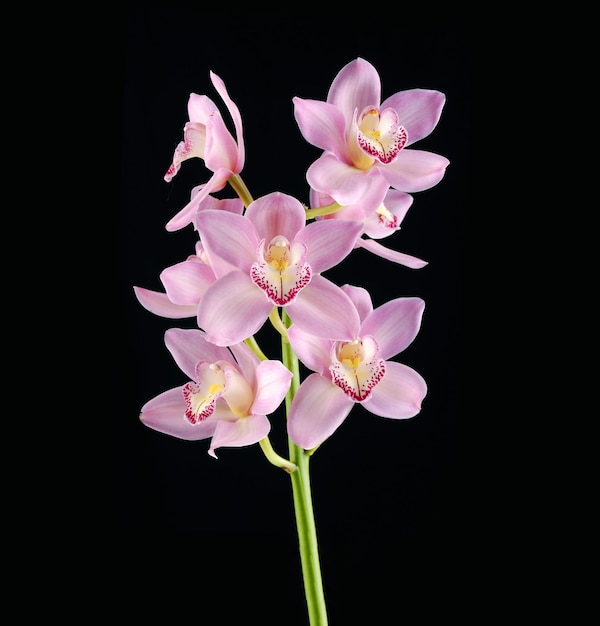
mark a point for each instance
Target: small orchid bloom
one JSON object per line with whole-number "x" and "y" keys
{"x": 206, "y": 137}
{"x": 366, "y": 140}
{"x": 186, "y": 282}
{"x": 378, "y": 224}
{"x": 278, "y": 259}
{"x": 228, "y": 396}
{"x": 358, "y": 370}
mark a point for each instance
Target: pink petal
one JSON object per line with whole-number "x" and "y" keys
{"x": 186, "y": 282}
{"x": 361, "y": 299}
{"x": 391, "y": 255}
{"x": 323, "y": 309}
{"x": 414, "y": 170}
{"x": 200, "y": 108}
{"x": 229, "y": 236}
{"x": 247, "y": 362}
{"x": 398, "y": 394}
{"x": 356, "y": 86}
{"x": 188, "y": 346}
{"x": 276, "y": 214}
{"x": 322, "y": 125}
{"x": 184, "y": 217}
{"x": 394, "y": 325}
{"x": 165, "y": 414}
{"x": 317, "y": 411}
{"x": 419, "y": 111}
{"x": 344, "y": 183}
{"x": 273, "y": 381}
{"x": 329, "y": 242}
{"x": 232, "y": 309}
{"x": 235, "y": 116}
{"x": 313, "y": 351}
{"x": 159, "y": 304}
{"x": 241, "y": 432}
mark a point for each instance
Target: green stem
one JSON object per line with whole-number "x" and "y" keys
{"x": 303, "y": 507}
{"x": 240, "y": 188}
{"x": 328, "y": 209}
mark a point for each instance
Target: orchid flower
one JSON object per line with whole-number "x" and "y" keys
{"x": 278, "y": 259}
{"x": 382, "y": 222}
{"x": 206, "y": 137}
{"x": 365, "y": 140}
{"x": 186, "y": 282}
{"x": 357, "y": 371}
{"x": 227, "y": 399}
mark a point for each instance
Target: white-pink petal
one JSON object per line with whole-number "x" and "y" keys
{"x": 232, "y": 309}
{"x": 272, "y": 383}
{"x": 158, "y": 303}
{"x": 414, "y": 170}
{"x": 229, "y": 236}
{"x": 391, "y": 255}
{"x": 361, "y": 299}
{"x": 276, "y": 214}
{"x": 419, "y": 111}
{"x": 235, "y": 116}
{"x": 343, "y": 182}
{"x": 399, "y": 394}
{"x": 394, "y": 325}
{"x": 313, "y": 351}
{"x": 166, "y": 414}
{"x": 186, "y": 282}
{"x": 323, "y": 309}
{"x": 241, "y": 432}
{"x": 356, "y": 86}
{"x": 328, "y": 242}
{"x": 317, "y": 411}
{"x": 322, "y": 125}
{"x": 188, "y": 346}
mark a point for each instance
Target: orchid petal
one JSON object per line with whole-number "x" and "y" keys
{"x": 235, "y": 116}
{"x": 399, "y": 394}
{"x": 241, "y": 432}
{"x": 232, "y": 309}
{"x": 313, "y": 351}
{"x": 356, "y": 86}
{"x": 166, "y": 414}
{"x": 328, "y": 242}
{"x": 317, "y": 411}
{"x": 158, "y": 303}
{"x": 389, "y": 215}
{"x": 229, "y": 236}
{"x": 247, "y": 362}
{"x": 361, "y": 299}
{"x": 221, "y": 150}
{"x": 323, "y": 309}
{"x": 322, "y": 125}
{"x": 394, "y": 325}
{"x": 414, "y": 170}
{"x": 193, "y": 145}
{"x": 188, "y": 346}
{"x": 273, "y": 381}
{"x": 200, "y": 108}
{"x": 276, "y": 214}
{"x": 391, "y": 255}
{"x": 419, "y": 111}
{"x": 186, "y": 282}
{"x": 216, "y": 182}
{"x": 343, "y": 182}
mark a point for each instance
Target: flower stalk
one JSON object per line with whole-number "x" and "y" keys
{"x": 303, "y": 507}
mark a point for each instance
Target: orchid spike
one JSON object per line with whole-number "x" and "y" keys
{"x": 228, "y": 396}
{"x": 365, "y": 141}
{"x": 205, "y": 136}
{"x": 277, "y": 260}
{"x": 357, "y": 371}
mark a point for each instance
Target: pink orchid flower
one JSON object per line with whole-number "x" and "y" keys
{"x": 357, "y": 371}
{"x": 382, "y": 222}
{"x": 206, "y": 137}
{"x": 186, "y": 282}
{"x": 278, "y": 260}
{"x": 365, "y": 140}
{"x": 228, "y": 397}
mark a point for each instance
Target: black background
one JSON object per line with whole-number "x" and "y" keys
{"x": 385, "y": 492}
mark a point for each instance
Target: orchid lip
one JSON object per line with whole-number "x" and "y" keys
{"x": 380, "y": 135}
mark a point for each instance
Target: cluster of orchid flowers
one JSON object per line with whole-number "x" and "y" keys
{"x": 262, "y": 260}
